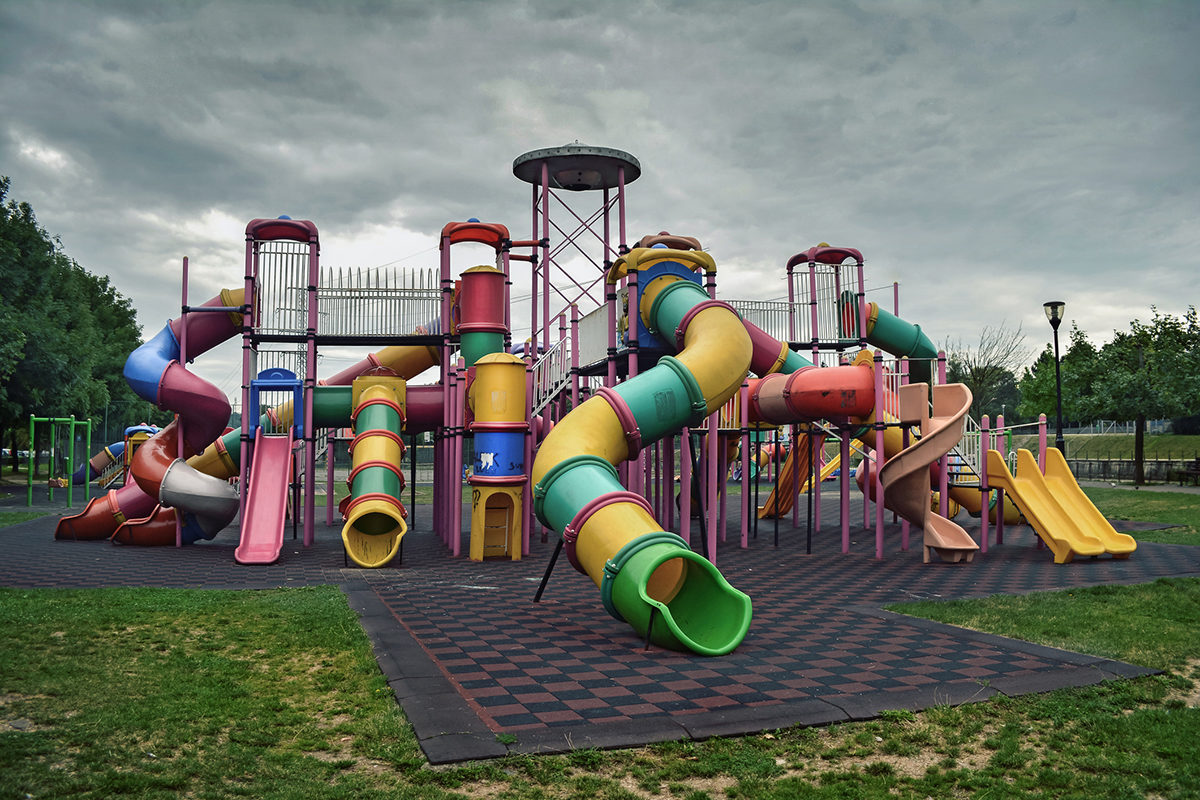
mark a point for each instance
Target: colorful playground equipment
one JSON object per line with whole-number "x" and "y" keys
{"x": 581, "y": 428}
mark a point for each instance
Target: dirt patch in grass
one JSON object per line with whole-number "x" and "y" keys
{"x": 11, "y": 720}
{"x": 1190, "y": 671}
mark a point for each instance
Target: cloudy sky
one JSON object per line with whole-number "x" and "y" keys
{"x": 987, "y": 155}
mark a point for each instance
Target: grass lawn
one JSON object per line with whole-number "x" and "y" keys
{"x": 169, "y": 693}
{"x": 161, "y": 693}
{"x": 1181, "y": 509}
{"x": 13, "y": 517}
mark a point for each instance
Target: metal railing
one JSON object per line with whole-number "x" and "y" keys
{"x": 770, "y": 315}
{"x": 378, "y": 302}
{"x": 551, "y": 375}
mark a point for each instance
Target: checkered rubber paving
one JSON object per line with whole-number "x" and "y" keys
{"x": 471, "y": 656}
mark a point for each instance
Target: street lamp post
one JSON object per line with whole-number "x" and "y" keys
{"x": 1054, "y": 313}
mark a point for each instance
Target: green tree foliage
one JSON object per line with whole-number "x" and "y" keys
{"x": 1150, "y": 371}
{"x": 64, "y": 333}
{"x": 1081, "y": 370}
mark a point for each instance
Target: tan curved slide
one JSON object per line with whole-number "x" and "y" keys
{"x": 1057, "y": 509}
{"x": 905, "y": 476}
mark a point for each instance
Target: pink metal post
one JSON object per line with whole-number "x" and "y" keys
{"x": 944, "y": 463}
{"x": 527, "y": 495}
{"x": 879, "y": 457}
{"x": 460, "y": 419}
{"x": 248, "y": 322}
{"x": 905, "y": 526}
{"x": 795, "y": 487}
{"x": 685, "y": 485}
{"x": 722, "y": 494}
{"x": 574, "y": 356}
{"x": 845, "y": 489}
{"x": 668, "y": 481}
{"x": 791, "y": 304}
{"x": 862, "y": 307}
{"x": 309, "y": 485}
{"x": 744, "y": 408}
{"x": 997, "y": 437}
{"x": 812, "y": 306}
{"x": 443, "y": 516}
{"x": 179, "y": 419}
{"x": 329, "y": 487}
{"x": 714, "y": 515}
{"x": 543, "y": 237}
{"x": 545, "y": 257}
{"x": 985, "y": 440}
{"x": 635, "y": 469}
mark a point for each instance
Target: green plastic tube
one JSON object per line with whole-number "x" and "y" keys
{"x": 696, "y": 609}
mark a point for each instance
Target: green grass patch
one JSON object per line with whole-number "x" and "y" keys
{"x": 161, "y": 693}
{"x": 13, "y": 517}
{"x": 1181, "y": 509}
{"x": 1110, "y": 621}
{"x": 170, "y": 693}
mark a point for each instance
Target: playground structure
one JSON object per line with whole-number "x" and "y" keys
{"x": 580, "y": 433}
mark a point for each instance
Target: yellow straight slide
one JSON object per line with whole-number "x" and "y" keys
{"x": 1059, "y": 512}
{"x": 1068, "y": 494}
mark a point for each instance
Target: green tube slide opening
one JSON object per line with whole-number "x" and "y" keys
{"x": 695, "y": 608}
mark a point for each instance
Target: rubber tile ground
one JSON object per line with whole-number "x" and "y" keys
{"x": 481, "y": 670}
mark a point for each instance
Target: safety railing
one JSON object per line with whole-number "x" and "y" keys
{"x": 551, "y": 375}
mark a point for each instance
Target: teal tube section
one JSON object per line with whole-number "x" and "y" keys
{"x": 903, "y": 339}
{"x": 477, "y": 344}
{"x": 332, "y": 406}
{"x": 671, "y": 305}
{"x": 793, "y": 362}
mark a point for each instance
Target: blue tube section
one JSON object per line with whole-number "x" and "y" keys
{"x": 499, "y": 454}
{"x": 145, "y": 366}
{"x": 191, "y": 530}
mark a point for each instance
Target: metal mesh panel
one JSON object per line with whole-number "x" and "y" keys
{"x": 379, "y": 302}
{"x": 282, "y": 277}
{"x": 770, "y": 315}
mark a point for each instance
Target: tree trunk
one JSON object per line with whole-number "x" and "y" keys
{"x": 1139, "y": 450}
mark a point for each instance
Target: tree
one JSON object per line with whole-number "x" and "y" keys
{"x": 1151, "y": 371}
{"x": 989, "y": 369}
{"x": 64, "y": 333}
{"x": 1080, "y": 369}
